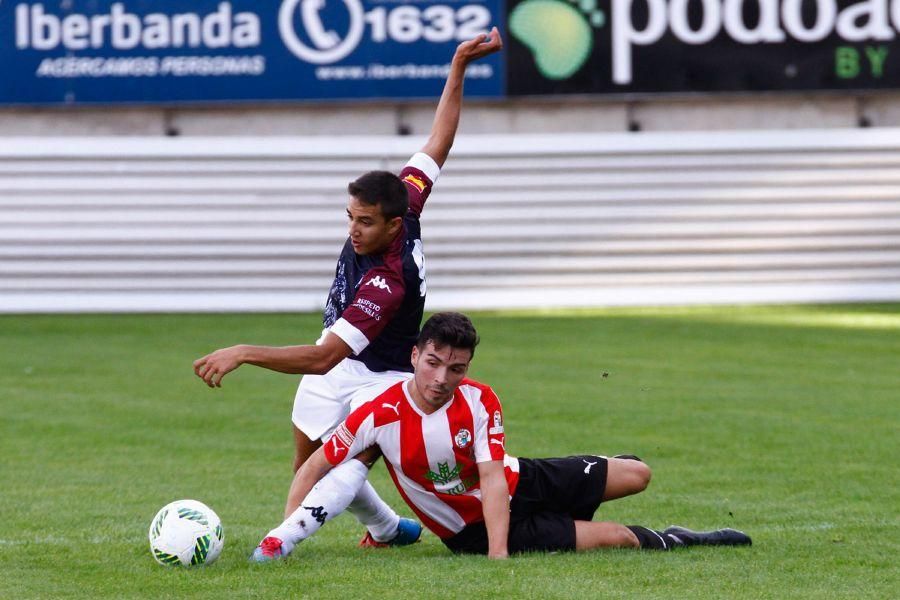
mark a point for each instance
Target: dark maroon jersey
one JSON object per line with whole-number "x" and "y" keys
{"x": 376, "y": 302}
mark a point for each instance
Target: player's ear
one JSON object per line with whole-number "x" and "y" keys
{"x": 414, "y": 357}
{"x": 394, "y": 225}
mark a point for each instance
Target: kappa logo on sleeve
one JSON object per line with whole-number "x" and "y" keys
{"x": 416, "y": 182}
{"x": 380, "y": 283}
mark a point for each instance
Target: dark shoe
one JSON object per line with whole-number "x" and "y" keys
{"x": 719, "y": 537}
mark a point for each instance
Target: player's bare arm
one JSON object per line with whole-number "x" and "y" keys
{"x": 311, "y": 360}
{"x": 495, "y": 506}
{"x": 446, "y": 118}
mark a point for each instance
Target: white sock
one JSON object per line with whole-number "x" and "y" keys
{"x": 329, "y": 498}
{"x": 373, "y": 512}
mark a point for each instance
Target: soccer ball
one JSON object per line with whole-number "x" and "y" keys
{"x": 186, "y": 532}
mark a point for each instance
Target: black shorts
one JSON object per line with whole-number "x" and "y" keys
{"x": 551, "y": 495}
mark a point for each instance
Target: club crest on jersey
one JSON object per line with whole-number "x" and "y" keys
{"x": 380, "y": 283}
{"x": 498, "y": 424}
{"x": 416, "y": 182}
{"x": 463, "y": 438}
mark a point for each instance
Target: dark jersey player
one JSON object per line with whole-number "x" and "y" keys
{"x": 373, "y": 309}
{"x": 376, "y": 301}
{"x": 443, "y": 438}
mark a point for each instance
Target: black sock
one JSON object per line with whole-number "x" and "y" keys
{"x": 651, "y": 539}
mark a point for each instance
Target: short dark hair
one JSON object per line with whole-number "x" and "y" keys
{"x": 381, "y": 188}
{"x": 448, "y": 329}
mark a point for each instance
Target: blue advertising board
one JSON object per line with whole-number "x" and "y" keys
{"x": 179, "y": 51}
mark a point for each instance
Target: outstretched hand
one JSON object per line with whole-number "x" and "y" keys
{"x": 483, "y": 45}
{"x": 213, "y": 367}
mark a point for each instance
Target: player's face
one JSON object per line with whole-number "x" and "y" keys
{"x": 369, "y": 231}
{"x": 438, "y": 372}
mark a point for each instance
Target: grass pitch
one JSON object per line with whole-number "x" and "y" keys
{"x": 781, "y": 421}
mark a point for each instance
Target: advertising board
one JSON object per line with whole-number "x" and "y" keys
{"x": 650, "y": 46}
{"x": 159, "y": 51}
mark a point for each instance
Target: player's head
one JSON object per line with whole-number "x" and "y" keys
{"x": 378, "y": 202}
{"x": 442, "y": 355}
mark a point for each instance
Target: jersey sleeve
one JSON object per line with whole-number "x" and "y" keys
{"x": 490, "y": 441}
{"x": 419, "y": 176}
{"x": 352, "y": 436}
{"x": 376, "y": 302}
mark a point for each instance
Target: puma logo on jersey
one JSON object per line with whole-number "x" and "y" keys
{"x": 587, "y": 469}
{"x": 393, "y": 407}
{"x": 380, "y": 283}
{"x": 498, "y": 442}
{"x": 337, "y": 449}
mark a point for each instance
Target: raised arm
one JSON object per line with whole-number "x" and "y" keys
{"x": 446, "y": 118}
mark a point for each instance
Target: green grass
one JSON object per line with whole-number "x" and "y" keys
{"x": 782, "y": 421}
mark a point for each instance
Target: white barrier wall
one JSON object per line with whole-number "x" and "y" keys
{"x": 527, "y": 115}
{"x": 255, "y": 224}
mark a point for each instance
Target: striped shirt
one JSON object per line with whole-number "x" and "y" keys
{"x": 432, "y": 458}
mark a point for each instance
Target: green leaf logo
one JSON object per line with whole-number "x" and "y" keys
{"x": 444, "y": 475}
{"x": 559, "y": 35}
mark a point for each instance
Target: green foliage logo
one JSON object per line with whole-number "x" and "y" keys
{"x": 444, "y": 475}
{"x": 559, "y": 35}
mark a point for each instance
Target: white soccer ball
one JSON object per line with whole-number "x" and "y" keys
{"x": 186, "y": 532}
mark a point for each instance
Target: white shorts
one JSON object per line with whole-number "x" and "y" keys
{"x": 324, "y": 401}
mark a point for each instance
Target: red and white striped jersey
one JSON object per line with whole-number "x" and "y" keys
{"x": 431, "y": 457}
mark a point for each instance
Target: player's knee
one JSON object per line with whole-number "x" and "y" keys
{"x": 639, "y": 475}
{"x": 645, "y": 474}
